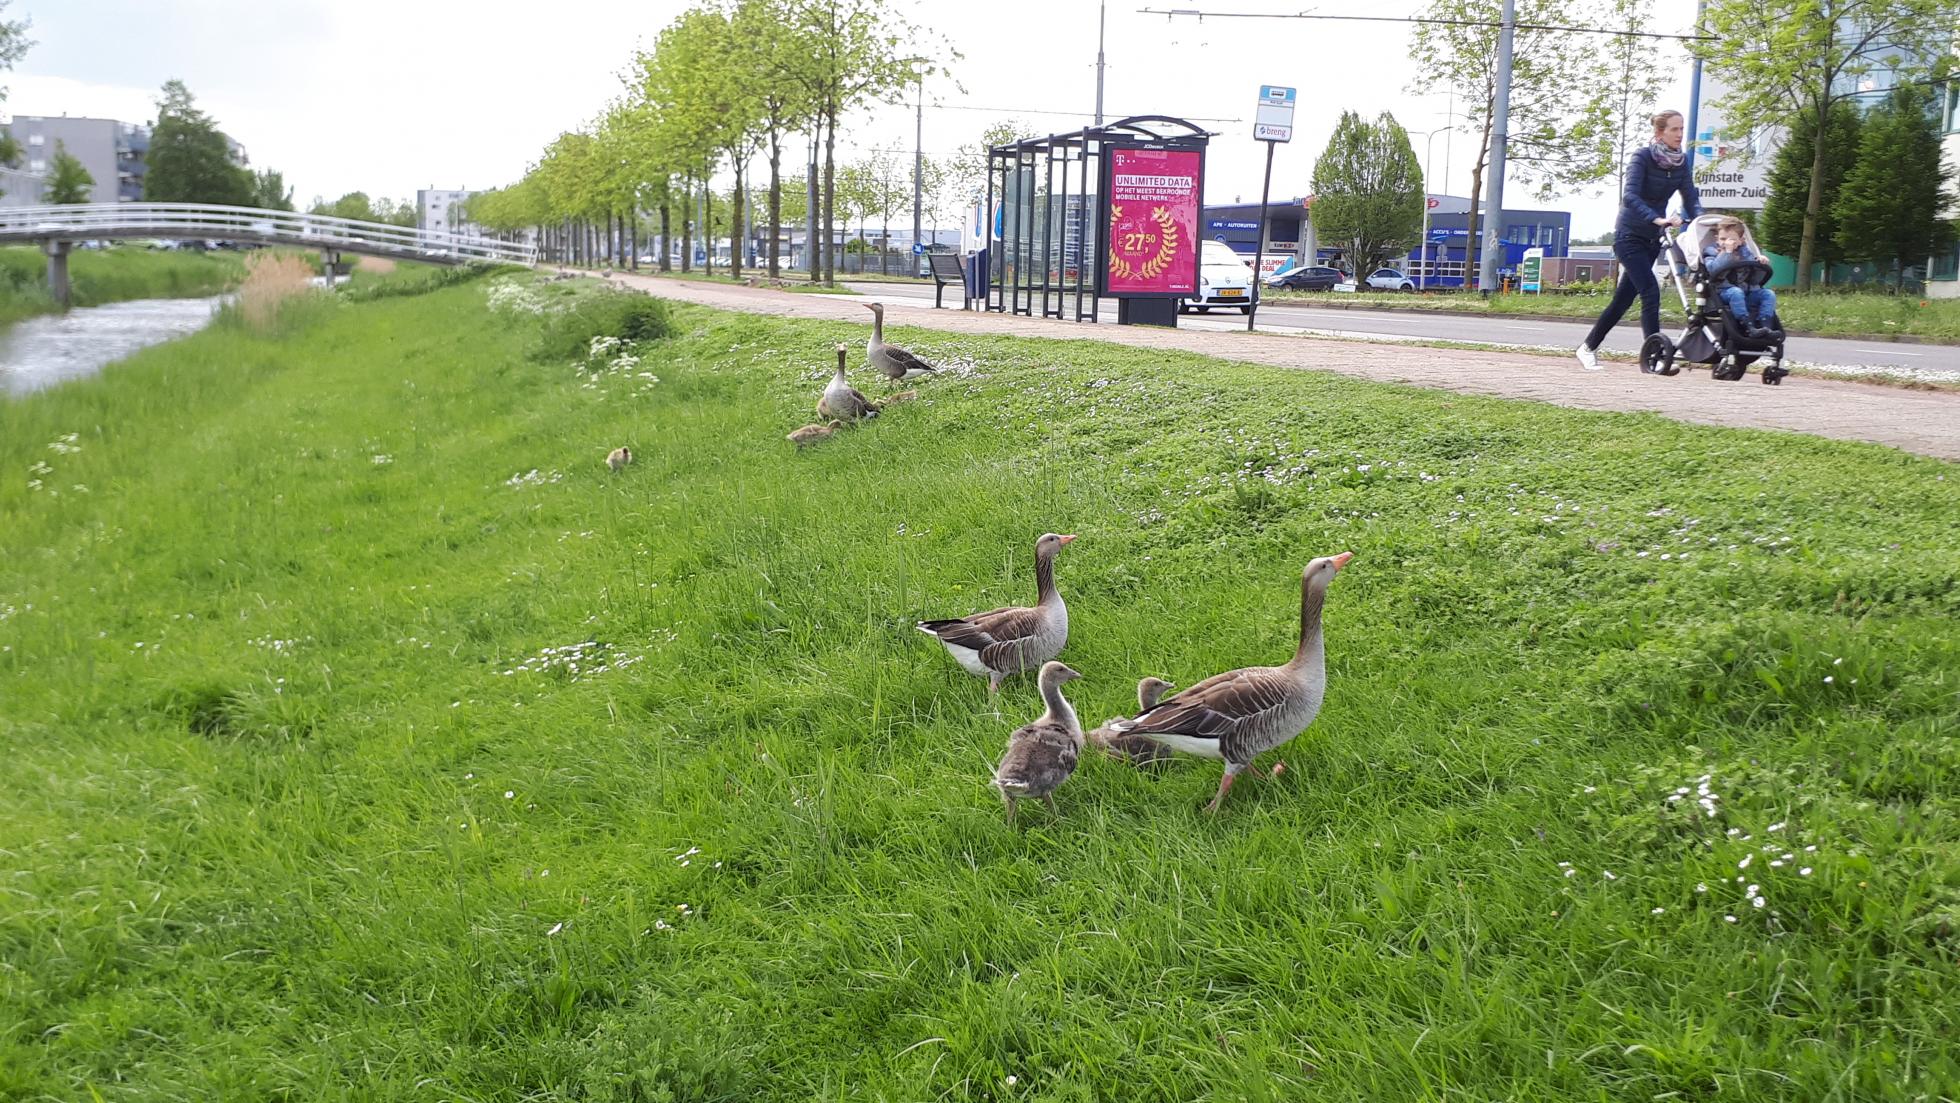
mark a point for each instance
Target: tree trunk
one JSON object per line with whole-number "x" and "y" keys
{"x": 666, "y": 232}
{"x": 687, "y": 227}
{"x": 1472, "y": 245}
{"x": 707, "y": 226}
{"x": 775, "y": 205}
{"x": 735, "y": 224}
{"x": 1807, "y": 249}
{"x": 633, "y": 237}
{"x": 829, "y": 195}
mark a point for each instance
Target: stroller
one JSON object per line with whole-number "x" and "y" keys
{"x": 1711, "y": 337}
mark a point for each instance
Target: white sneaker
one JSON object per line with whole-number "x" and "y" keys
{"x": 1587, "y": 359}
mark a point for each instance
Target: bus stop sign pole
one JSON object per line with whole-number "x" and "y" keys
{"x": 1272, "y": 125}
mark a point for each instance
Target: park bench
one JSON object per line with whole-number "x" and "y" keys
{"x": 946, "y": 268}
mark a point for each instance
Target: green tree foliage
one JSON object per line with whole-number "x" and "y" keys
{"x": 190, "y": 159}
{"x": 1634, "y": 82}
{"x": 68, "y": 180}
{"x": 1890, "y": 212}
{"x": 357, "y": 205}
{"x": 269, "y": 191}
{"x": 14, "y": 45}
{"x": 1782, "y": 57}
{"x": 849, "y": 52}
{"x": 1563, "y": 100}
{"x": 1780, "y": 226}
{"x": 1368, "y": 190}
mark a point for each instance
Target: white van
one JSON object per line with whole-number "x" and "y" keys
{"x": 1223, "y": 280}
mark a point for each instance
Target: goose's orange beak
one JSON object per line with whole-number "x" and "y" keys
{"x": 1341, "y": 560}
{"x": 1068, "y": 539}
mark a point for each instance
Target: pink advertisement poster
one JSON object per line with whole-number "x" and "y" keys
{"x": 1153, "y": 221}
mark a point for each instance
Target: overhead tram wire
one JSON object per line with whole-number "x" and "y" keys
{"x": 1204, "y": 15}
{"x": 1041, "y": 111}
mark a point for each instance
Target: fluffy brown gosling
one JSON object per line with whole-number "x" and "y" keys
{"x": 619, "y": 458}
{"x": 1042, "y": 755}
{"x": 811, "y": 434}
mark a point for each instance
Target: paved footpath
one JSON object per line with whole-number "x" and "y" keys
{"x": 1925, "y": 422}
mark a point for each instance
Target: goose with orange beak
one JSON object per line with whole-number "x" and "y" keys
{"x": 1240, "y": 714}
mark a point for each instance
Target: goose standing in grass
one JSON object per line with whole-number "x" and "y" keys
{"x": 842, "y": 401}
{"x": 1240, "y": 714}
{"x": 1137, "y": 749}
{"x": 619, "y": 457}
{"x": 893, "y": 362}
{"x": 1042, "y": 755}
{"x": 811, "y": 434}
{"x": 1007, "y": 641}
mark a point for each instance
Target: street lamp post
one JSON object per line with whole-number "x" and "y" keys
{"x": 1428, "y": 147}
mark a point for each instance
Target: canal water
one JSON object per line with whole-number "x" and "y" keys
{"x": 41, "y": 352}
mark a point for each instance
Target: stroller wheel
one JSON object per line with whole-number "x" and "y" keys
{"x": 1728, "y": 370}
{"x": 1657, "y": 355}
{"x": 1773, "y": 375}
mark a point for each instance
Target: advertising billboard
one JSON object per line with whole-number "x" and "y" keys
{"x": 1731, "y": 167}
{"x": 1154, "y": 201}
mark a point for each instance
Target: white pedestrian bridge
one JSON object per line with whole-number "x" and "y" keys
{"x": 57, "y": 226}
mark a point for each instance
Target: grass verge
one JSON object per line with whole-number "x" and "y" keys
{"x": 366, "y": 734}
{"x": 1823, "y": 314}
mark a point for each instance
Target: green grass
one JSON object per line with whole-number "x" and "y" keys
{"x": 305, "y": 799}
{"x": 1823, "y": 313}
{"x": 98, "y": 276}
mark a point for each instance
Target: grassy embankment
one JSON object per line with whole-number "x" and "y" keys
{"x": 98, "y": 276}
{"x": 1825, "y": 313}
{"x": 367, "y": 737}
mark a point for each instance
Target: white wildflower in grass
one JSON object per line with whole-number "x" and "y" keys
{"x": 1744, "y": 863}
{"x": 1701, "y": 886}
{"x": 533, "y": 477}
{"x": 1804, "y": 872}
{"x": 1658, "y": 911}
{"x": 555, "y": 928}
{"x": 1012, "y": 1080}
{"x": 382, "y": 459}
{"x": 578, "y": 660}
{"x": 508, "y": 794}
{"x": 1610, "y": 875}
{"x": 1730, "y": 918}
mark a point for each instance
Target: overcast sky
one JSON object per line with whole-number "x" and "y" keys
{"x": 388, "y": 96}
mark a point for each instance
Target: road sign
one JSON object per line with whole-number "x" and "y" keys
{"x": 1434, "y": 202}
{"x": 918, "y": 247}
{"x": 1274, "y": 120}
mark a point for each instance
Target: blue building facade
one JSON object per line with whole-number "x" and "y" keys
{"x": 1438, "y": 262}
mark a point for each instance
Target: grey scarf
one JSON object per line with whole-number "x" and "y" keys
{"x": 1666, "y": 156}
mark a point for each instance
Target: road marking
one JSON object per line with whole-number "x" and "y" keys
{"x": 1888, "y": 352}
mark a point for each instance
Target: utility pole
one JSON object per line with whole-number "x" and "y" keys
{"x": 1499, "y": 138}
{"x": 918, "y": 164}
{"x": 1694, "y": 93}
{"x": 1102, "y": 14}
{"x": 811, "y": 254}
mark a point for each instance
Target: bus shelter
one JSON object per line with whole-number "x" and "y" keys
{"x": 1111, "y": 211}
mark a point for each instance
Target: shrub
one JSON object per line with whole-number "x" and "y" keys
{"x": 273, "y": 283}
{"x": 567, "y": 335}
{"x": 421, "y": 281}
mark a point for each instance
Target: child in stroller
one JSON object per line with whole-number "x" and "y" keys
{"x": 1729, "y": 326}
{"x": 1739, "y": 275}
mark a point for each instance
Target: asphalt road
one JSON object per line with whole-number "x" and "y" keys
{"x": 1906, "y": 359}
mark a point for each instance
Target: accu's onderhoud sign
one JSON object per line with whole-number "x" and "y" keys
{"x": 1153, "y": 222}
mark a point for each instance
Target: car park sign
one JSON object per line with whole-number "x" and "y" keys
{"x": 1274, "y": 120}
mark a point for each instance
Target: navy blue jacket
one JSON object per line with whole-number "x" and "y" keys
{"x": 1648, "y": 189}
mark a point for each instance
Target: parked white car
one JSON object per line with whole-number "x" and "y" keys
{"x": 1223, "y": 280}
{"x": 1388, "y": 279}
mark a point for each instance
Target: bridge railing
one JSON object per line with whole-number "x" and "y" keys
{"x": 83, "y": 221}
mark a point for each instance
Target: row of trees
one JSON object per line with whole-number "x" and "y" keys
{"x": 1883, "y": 190}
{"x": 725, "y": 85}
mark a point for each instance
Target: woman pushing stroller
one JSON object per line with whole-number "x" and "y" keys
{"x": 1654, "y": 176}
